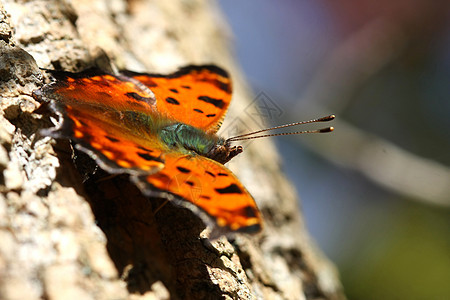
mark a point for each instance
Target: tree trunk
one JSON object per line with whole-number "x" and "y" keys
{"x": 62, "y": 238}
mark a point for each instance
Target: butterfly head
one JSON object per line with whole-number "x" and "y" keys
{"x": 223, "y": 152}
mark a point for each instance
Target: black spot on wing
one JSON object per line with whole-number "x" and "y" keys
{"x": 189, "y": 183}
{"x": 231, "y": 189}
{"x": 198, "y": 110}
{"x": 82, "y": 123}
{"x": 226, "y": 87}
{"x": 210, "y": 173}
{"x": 216, "y": 102}
{"x": 174, "y": 91}
{"x": 206, "y": 197}
{"x": 186, "y": 87}
{"x": 183, "y": 170}
{"x": 249, "y": 211}
{"x": 172, "y": 101}
{"x": 222, "y": 174}
{"x": 210, "y": 115}
{"x": 112, "y": 139}
{"x": 147, "y": 156}
{"x": 145, "y": 149}
{"x": 138, "y": 97}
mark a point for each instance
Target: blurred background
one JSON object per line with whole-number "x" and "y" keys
{"x": 376, "y": 192}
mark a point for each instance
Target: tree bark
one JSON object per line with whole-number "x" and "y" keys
{"x": 67, "y": 236}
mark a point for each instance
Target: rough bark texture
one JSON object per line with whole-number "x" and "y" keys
{"x": 61, "y": 238}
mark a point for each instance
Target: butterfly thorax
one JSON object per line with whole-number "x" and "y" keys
{"x": 190, "y": 139}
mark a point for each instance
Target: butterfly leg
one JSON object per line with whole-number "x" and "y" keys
{"x": 161, "y": 206}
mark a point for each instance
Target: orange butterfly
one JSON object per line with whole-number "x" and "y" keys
{"x": 162, "y": 131}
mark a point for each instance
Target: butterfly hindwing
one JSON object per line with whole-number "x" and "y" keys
{"x": 210, "y": 186}
{"x": 194, "y": 95}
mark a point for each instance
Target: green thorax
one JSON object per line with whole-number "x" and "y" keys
{"x": 185, "y": 137}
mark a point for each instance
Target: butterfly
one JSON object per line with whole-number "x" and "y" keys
{"x": 161, "y": 130}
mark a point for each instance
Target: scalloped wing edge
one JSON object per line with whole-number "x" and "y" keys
{"x": 215, "y": 230}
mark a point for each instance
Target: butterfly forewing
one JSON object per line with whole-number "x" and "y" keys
{"x": 194, "y": 95}
{"x": 94, "y": 87}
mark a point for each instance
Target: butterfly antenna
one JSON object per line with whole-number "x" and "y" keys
{"x": 248, "y": 136}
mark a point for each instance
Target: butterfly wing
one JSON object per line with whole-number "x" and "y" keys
{"x": 106, "y": 116}
{"x": 94, "y": 110}
{"x": 96, "y": 88}
{"x": 194, "y": 95}
{"x": 211, "y": 187}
